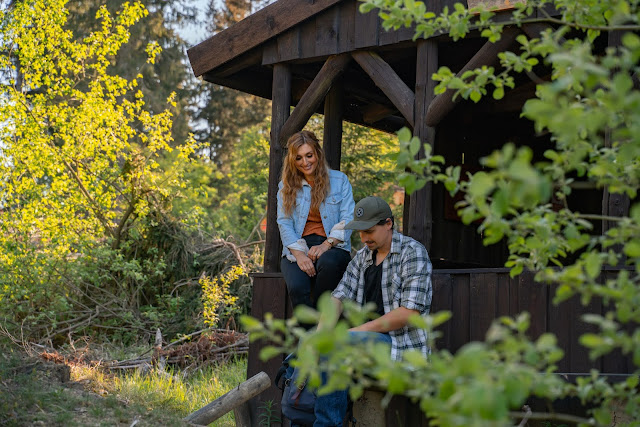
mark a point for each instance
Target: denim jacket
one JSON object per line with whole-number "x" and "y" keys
{"x": 338, "y": 206}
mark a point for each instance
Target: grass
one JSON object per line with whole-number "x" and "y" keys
{"x": 35, "y": 393}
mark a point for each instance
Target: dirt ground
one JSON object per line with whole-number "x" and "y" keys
{"x": 35, "y": 391}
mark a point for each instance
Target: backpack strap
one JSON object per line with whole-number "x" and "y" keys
{"x": 282, "y": 371}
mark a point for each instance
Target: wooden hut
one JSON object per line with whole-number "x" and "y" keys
{"x": 323, "y": 56}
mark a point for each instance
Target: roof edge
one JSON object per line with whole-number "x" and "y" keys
{"x": 252, "y": 31}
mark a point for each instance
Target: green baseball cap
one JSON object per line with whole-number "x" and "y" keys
{"x": 368, "y": 212}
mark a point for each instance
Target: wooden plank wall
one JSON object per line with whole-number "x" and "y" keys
{"x": 478, "y": 296}
{"x": 341, "y": 28}
{"x": 269, "y": 296}
{"x": 338, "y": 29}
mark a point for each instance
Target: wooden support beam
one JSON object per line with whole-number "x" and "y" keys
{"x": 333, "y": 114}
{"x": 613, "y": 204}
{"x": 514, "y": 99}
{"x": 486, "y": 56}
{"x": 388, "y": 81}
{"x": 534, "y": 29}
{"x": 246, "y": 60}
{"x": 280, "y": 108}
{"x": 310, "y": 101}
{"x": 230, "y": 400}
{"x": 374, "y": 112}
{"x": 419, "y": 221}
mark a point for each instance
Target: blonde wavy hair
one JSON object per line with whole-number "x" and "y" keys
{"x": 292, "y": 177}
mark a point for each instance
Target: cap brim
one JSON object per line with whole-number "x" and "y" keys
{"x": 360, "y": 225}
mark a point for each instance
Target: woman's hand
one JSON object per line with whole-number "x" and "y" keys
{"x": 316, "y": 251}
{"x": 305, "y": 263}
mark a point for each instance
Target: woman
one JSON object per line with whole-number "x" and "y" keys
{"x": 314, "y": 204}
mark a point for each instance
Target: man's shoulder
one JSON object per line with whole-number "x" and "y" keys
{"x": 406, "y": 242}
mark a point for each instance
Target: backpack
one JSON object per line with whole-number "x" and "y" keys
{"x": 297, "y": 402}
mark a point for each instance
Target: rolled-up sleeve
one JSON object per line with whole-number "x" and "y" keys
{"x": 285, "y": 223}
{"x": 347, "y": 206}
{"x": 416, "y": 279}
{"x": 348, "y": 286}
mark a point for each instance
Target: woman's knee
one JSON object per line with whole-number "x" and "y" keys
{"x": 333, "y": 259}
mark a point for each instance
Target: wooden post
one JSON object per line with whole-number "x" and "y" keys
{"x": 333, "y": 112}
{"x": 615, "y": 205}
{"x": 280, "y": 107}
{"x": 232, "y": 399}
{"x": 420, "y": 218}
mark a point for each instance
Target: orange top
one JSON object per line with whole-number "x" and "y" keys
{"x": 314, "y": 224}
{"x": 314, "y": 221}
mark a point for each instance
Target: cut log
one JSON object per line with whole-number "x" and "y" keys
{"x": 242, "y": 414}
{"x": 231, "y": 400}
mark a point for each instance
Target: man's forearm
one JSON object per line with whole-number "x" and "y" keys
{"x": 395, "y": 319}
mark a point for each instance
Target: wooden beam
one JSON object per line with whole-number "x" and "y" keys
{"x": 514, "y": 99}
{"x": 310, "y": 101}
{"x": 388, "y": 81}
{"x": 280, "y": 108}
{"x": 230, "y": 400}
{"x": 246, "y": 60}
{"x": 254, "y": 83}
{"x": 252, "y": 31}
{"x": 333, "y": 114}
{"x": 486, "y": 56}
{"x": 534, "y": 29}
{"x": 613, "y": 204}
{"x": 374, "y": 112}
{"x": 420, "y": 218}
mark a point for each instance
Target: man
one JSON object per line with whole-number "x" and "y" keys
{"x": 394, "y": 272}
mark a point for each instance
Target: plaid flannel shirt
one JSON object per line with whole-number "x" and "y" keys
{"x": 406, "y": 282}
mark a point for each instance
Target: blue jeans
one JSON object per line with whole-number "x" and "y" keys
{"x": 329, "y": 270}
{"x": 330, "y": 409}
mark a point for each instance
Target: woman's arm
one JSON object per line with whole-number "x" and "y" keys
{"x": 285, "y": 222}
{"x": 347, "y": 206}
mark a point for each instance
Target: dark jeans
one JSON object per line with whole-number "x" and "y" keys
{"x": 329, "y": 270}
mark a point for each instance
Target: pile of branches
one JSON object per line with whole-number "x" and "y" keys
{"x": 213, "y": 346}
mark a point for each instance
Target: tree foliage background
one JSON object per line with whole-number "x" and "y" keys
{"x": 127, "y": 185}
{"x": 591, "y": 109}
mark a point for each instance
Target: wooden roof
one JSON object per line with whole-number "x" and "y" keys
{"x": 303, "y": 34}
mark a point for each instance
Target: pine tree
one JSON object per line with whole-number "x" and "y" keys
{"x": 226, "y": 112}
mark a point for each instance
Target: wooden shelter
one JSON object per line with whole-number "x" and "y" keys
{"x": 323, "y": 56}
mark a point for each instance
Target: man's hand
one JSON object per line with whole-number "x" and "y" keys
{"x": 395, "y": 319}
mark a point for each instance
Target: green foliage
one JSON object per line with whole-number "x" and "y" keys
{"x": 268, "y": 414}
{"x": 225, "y": 114}
{"x": 243, "y": 190}
{"x": 591, "y": 108}
{"x": 89, "y": 240}
{"x": 216, "y": 297}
